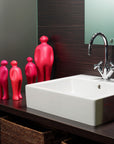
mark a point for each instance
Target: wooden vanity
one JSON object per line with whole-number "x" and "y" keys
{"x": 103, "y": 134}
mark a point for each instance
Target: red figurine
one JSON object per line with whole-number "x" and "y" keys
{"x": 16, "y": 80}
{"x": 44, "y": 58}
{"x": 4, "y": 80}
{"x": 30, "y": 71}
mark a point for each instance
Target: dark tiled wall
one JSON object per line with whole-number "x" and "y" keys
{"x": 63, "y": 22}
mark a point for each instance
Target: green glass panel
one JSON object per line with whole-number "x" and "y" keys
{"x": 99, "y": 17}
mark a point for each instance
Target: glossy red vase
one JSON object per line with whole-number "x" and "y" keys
{"x": 4, "y": 80}
{"x": 30, "y": 71}
{"x": 16, "y": 80}
{"x": 44, "y": 58}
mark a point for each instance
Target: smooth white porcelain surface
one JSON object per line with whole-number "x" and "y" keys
{"x": 83, "y": 98}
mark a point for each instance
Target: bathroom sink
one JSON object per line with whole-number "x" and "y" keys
{"x": 82, "y": 98}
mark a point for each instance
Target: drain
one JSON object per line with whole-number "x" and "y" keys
{"x": 99, "y": 86}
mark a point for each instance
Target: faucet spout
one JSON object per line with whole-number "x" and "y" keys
{"x": 105, "y": 44}
{"x": 107, "y": 72}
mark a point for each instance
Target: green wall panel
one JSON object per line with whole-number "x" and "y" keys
{"x": 99, "y": 17}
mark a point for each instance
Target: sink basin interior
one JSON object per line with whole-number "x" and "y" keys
{"x": 79, "y": 86}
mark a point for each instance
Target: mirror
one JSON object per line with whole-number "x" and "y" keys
{"x": 99, "y": 17}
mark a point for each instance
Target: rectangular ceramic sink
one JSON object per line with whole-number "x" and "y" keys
{"x": 83, "y": 98}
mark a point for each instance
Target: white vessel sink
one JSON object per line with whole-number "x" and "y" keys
{"x": 82, "y": 98}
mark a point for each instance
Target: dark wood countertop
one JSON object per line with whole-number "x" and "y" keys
{"x": 103, "y": 133}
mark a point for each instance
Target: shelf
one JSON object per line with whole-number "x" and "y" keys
{"x": 102, "y": 134}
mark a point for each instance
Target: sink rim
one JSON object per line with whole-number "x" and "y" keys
{"x": 38, "y": 85}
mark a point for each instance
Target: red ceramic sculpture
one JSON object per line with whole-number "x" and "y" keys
{"x": 4, "y": 80}
{"x": 44, "y": 58}
{"x": 30, "y": 71}
{"x": 16, "y": 80}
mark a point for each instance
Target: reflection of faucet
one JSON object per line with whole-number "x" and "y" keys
{"x": 108, "y": 71}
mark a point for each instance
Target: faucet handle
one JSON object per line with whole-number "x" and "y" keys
{"x": 112, "y": 66}
{"x": 97, "y": 65}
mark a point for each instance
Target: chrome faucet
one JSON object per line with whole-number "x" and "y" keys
{"x": 108, "y": 69}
